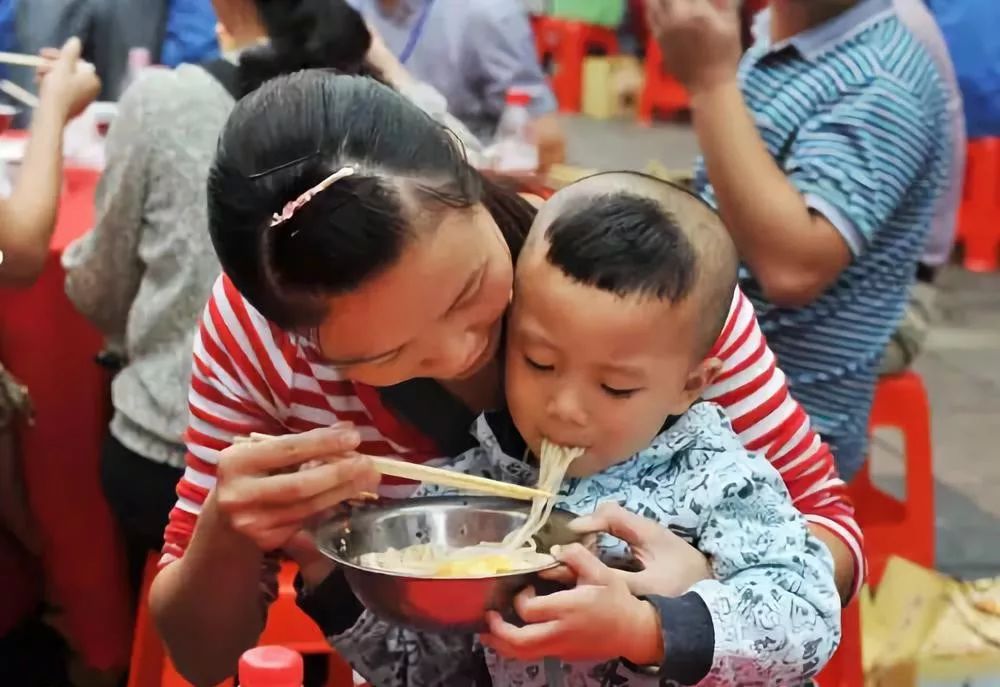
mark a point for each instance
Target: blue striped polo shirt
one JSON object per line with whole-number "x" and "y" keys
{"x": 855, "y": 115}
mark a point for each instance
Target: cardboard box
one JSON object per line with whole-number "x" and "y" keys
{"x": 611, "y": 86}
{"x": 923, "y": 629}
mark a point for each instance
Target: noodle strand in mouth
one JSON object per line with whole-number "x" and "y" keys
{"x": 518, "y": 549}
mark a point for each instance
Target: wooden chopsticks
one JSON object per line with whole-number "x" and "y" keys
{"x": 23, "y": 60}
{"x": 439, "y": 476}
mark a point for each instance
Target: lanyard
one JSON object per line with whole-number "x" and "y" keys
{"x": 414, "y": 37}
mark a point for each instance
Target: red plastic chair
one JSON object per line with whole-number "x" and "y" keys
{"x": 567, "y": 42}
{"x": 845, "y": 668}
{"x": 661, "y": 91}
{"x": 893, "y": 527}
{"x": 286, "y": 626}
{"x": 979, "y": 220}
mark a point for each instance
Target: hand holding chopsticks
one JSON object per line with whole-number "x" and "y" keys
{"x": 439, "y": 476}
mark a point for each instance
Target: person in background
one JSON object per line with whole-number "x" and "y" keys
{"x": 826, "y": 151}
{"x": 908, "y": 340}
{"x": 472, "y": 52}
{"x": 145, "y": 271}
{"x": 174, "y": 31}
{"x": 28, "y": 216}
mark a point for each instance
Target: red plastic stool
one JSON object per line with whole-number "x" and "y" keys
{"x": 661, "y": 91}
{"x": 892, "y": 527}
{"x": 567, "y": 42}
{"x": 845, "y": 669}
{"x": 979, "y": 219}
{"x": 286, "y": 626}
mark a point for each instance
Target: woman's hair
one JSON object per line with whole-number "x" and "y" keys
{"x": 306, "y": 34}
{"x": 295, "y": 131}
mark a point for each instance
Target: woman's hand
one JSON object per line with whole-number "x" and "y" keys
{"x": 67, "y": 82}
{"x": 670, "y": 566}
{"x": 262, "y": 493}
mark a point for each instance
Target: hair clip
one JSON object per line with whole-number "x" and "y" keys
{"x": 292, "y": 207}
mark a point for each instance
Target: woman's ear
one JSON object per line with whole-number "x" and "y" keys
{"x": 700, "y": 378}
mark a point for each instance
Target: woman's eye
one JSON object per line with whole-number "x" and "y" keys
{"x": 618, "y": 393}
{"x": 538, "y": 366}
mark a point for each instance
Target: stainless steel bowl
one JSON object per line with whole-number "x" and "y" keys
{"x": 454, "y": 604}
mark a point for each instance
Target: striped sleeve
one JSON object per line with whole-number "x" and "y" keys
{"x": 753, "y": 391}
{"x": 883, "y": 134}
{"x": 238, "y": 381}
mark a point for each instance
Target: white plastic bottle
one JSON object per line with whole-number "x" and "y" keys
{"x": 515, "y": 150}
{"x": 271, "y": 666}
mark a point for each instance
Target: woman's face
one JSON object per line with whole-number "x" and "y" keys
{"x": 436, "y": 313}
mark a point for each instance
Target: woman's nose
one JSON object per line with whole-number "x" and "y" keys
{"x": 454, "y": 354}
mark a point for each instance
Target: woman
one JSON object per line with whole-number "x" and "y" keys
{"x": 145, "y": 271}
{"x": 368, "y": 268}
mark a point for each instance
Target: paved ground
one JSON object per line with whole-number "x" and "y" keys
{"x": 961, "y": 368}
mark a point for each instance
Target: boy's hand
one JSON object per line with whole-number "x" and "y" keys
{"x": 670, "y": 565}
{"x": 700, "y": 40}
{"x": 599, "y": 619}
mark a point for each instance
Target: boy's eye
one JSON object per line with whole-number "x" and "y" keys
{"x": 618, "y": 393}
{"x": 538, "y": 366}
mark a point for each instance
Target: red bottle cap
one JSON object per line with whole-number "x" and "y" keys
{"x": 516, "y": 96}
{"x": 271, "y": 666}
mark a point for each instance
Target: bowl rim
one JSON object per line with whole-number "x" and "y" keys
{"x": 413, "y": 501}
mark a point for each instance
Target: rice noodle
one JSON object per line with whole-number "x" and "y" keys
{"x": 517, "y": 551}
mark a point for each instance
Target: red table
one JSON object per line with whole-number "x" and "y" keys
{"x": 51, "y": 348}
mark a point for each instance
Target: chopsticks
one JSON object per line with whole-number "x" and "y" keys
{"x": 22, "y": 59}
{"x": 23, "y": 96}
{"x": 431, "y": 475}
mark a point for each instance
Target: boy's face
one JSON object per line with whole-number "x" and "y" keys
{"x": 586, "y": 368}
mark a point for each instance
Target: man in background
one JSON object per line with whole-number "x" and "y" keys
{"x": 173, "y": 31}
{"x": 826, "y": 149}
{"x": 472, "y": 52}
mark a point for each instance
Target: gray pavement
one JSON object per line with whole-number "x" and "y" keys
{"x": 961, "y": 367}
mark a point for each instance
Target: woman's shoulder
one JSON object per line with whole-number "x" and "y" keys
{"x": 241, "y": 332}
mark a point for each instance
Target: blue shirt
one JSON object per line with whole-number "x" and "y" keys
{"x": 471, "y": 51}
{"x": 190, "y": 33}
{"x": 855, "y": 114}
{"x": 772, "y": 612}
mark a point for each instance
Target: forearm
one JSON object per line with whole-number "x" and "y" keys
{"x": 207, "y": 605}
{"x": 846, "y": 568}
{"x": 767, "y": 217}
{"x": 29, "y": 214}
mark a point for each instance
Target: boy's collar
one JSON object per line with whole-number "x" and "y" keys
{"x": 820, "y": 39}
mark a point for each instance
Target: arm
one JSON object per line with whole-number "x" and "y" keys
{"x": 103, "y": 268}
{"x": 27, "y": 218}
{"x": 772, "y": 615}
{"x": 238, "y": 502}
{"x": 507, "y": 58}
{"x": 753, "y": 392}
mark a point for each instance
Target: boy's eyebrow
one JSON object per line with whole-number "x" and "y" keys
{"x": 625, "y": 369}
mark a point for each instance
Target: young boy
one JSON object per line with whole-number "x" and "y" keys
{"x": 621, "y": 289}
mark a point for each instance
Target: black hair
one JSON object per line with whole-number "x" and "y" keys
{"x": 292, "y": 133}
{"x": 306, "y": 34}
{"x": 625, "y": 244}
{"x": 645, "y": 238}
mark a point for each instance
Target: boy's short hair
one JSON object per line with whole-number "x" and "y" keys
{"x": 631, "y": 234}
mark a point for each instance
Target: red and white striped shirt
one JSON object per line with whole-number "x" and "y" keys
{"x": 249, "y": 376}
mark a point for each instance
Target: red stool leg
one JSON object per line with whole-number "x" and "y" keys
{"x": 568, "y": 80}
{"x": 661, "y": 90}
{"x": 979, "y": 226}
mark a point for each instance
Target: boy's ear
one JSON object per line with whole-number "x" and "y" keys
{"x": 701, "y": 377}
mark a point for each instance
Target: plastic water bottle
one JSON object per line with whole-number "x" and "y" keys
{"x": 515, "y": 149}
{"x": 271, "y": 666}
